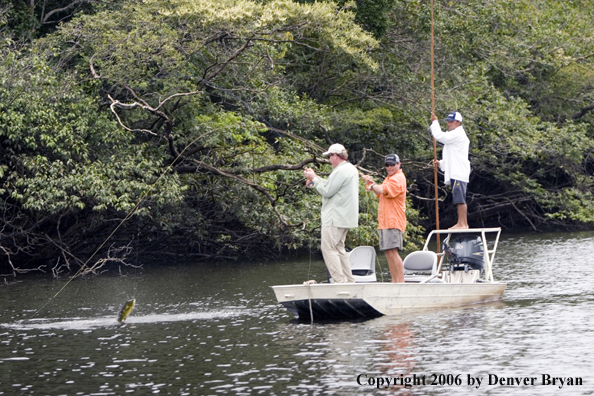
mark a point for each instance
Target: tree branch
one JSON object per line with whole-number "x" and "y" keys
{"x": 205, "y": 168}
{"x": 117, "y": 103}
{"x": 583, "y": 112}
{"x": 44, "y": 18}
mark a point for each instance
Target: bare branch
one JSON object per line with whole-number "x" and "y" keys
{"x": 113, "y": 255}
{"x": 203, "y": 167}
{"x": 206, "y": 80}
{"x": 75, "y": 3}
{"x": 92, "y": 67}
{"x": 115, "y": 103}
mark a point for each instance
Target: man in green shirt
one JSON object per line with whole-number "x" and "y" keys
{"x": 340, "y": 210}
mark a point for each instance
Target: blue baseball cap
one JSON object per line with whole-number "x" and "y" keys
{"x": 454, "y": 116}
{"x": 392, "y": 159}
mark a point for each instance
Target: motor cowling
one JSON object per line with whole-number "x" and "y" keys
{"x": 465, "y": 252}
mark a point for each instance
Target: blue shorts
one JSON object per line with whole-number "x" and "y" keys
{"x": 458, "y": 191}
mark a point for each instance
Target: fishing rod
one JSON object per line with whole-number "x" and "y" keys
{"x": 434, "y": 141}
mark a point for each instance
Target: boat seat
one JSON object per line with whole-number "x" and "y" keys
{"x": 424, "y": 261}
{"x": 362, "y": 260}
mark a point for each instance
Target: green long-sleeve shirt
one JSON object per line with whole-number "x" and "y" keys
{"x": 340, "y": 196}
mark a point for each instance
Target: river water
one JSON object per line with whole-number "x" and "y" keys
{"x": 211, "y": 330}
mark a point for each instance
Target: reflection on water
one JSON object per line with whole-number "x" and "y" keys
{"x": 199, "y": 330}
{"x": 397, "y": 351}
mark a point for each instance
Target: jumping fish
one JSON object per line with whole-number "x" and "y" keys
{"x": 126, "y": 310}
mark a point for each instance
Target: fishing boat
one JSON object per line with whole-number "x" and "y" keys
{"x": 461, "y": 273}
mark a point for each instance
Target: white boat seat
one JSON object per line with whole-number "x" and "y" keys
{"x": 362, "y": 260}
{"x": 424, "y": 261}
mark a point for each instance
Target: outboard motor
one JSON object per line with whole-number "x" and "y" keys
{"x": 465, "y": 253}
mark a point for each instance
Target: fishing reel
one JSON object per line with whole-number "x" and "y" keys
{"x": 450, "y": 254}
{"x": 448, "y": 251}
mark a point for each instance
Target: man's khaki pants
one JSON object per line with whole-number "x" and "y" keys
{"x": 335, "y": 257}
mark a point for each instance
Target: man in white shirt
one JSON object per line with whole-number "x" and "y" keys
{"x": 454, "y": 162}
{"x": 340, "y": 210}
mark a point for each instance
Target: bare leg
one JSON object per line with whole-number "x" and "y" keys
{"x": 462, "y": 217}
{"x": 396, "y": 266}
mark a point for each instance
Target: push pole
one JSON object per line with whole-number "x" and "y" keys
{"x": 434, "y": 142}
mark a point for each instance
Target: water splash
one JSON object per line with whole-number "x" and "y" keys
{"x": 79, "y": 323}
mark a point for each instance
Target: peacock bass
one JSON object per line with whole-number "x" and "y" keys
{"x": 126, "y": 310}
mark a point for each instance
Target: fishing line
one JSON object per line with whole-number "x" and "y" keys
{"x": 142, "y": 198}
{"x": 377, "y": 262}
{"x": 127, "y": 217}
{"x": 308, "y": 282}
{"x": 309, "y": 268}
{"x": 310, "y": 307}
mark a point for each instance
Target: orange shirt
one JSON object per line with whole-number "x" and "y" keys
{"x": 392, "y": 203}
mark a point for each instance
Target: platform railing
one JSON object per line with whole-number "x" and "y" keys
{"x": 488, "y": 254}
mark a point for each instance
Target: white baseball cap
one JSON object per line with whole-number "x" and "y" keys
{"x": 335, "y": 149}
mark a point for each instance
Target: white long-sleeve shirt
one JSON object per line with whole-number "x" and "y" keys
{"x": 454, "y": 162}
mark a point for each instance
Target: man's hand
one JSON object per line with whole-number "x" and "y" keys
{"x": 309, "y": 174}
{"x": 368, "y": 181}
{"x": 433, "y": 117}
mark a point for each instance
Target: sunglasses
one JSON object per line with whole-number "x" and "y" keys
{"x": 390, "y": 164}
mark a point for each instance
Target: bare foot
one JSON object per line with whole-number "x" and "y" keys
{"x": 458, "y": 227}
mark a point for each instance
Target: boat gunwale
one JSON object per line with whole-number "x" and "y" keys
{"x": 389, "y": 284}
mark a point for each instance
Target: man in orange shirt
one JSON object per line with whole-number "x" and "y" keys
{"x": 391, "y": 216}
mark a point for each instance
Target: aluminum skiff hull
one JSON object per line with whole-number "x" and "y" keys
{"x": 369, "y": 300}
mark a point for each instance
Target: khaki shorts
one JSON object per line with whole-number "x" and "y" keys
{"x": 391, "y": 238}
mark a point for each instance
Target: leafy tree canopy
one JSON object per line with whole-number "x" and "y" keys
{"x": 198, "y": 118}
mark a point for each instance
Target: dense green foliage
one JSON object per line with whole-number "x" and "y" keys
{"x": 193, "y": 119}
